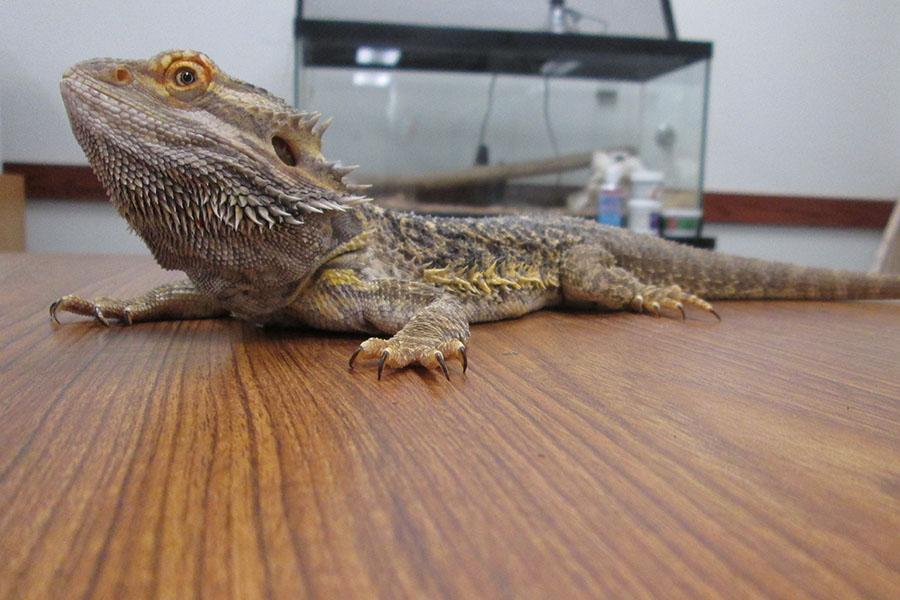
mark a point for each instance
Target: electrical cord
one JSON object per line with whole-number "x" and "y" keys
{"x": 575, "y": 16}
{"x": 482, "y": 154}
{"x": 482, "y": 134}
{"x": 549, "y": 124}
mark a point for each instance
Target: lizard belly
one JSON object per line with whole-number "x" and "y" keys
{"x": 510, "y": 305}
{"x": 246, "y": 299}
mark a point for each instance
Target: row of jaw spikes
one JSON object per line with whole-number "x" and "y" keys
{"x": 316, "y": 205}
{"x": 234, "y": 208}
{"x": 233, "y": 213}
{"x": 280, "y": 207}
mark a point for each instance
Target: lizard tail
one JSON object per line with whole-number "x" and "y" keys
{"x": 716, "y": 276}
{"x": 751, "y": 279}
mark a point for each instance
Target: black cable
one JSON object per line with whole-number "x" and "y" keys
{"x": 550, "y": 133}
{"x": 487, "y": 113}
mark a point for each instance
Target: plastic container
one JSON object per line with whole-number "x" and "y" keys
{"x": 681, "y": 222}
{"x": 609, "y": 205}
{"x": 643, "y": 215}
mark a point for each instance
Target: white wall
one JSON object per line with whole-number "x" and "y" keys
{"x": 851, "y": 249}
{"x": 64, "y": 226}
{"x": 805, "y": 95}
{"x": 39, "y": 39}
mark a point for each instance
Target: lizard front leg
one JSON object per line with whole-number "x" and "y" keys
{"x": 435, "y": 333}
{"x": 171, "y": 301}
{"x": 428, "y": 326}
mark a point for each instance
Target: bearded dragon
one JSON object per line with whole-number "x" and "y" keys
{"x": 227, "y": 183}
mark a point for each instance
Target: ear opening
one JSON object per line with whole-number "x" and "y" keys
{"x": 284, "y": 151}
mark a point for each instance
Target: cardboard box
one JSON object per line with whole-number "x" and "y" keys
{"x": 12, "y": 213}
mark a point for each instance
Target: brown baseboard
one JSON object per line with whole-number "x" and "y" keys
{"x": 756, "y": 209}
{"x": 79, "y": 182}
{"x": 72, "y": 182}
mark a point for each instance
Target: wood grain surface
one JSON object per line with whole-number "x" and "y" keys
{"x": 582, "y": 456}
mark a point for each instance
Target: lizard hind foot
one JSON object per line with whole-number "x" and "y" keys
{"x": 399, "y": 352}
{"x": 653, "y": 300}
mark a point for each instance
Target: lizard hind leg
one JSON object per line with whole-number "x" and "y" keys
{"x": 589, "y": 275}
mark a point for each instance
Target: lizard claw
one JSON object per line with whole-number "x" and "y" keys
{"x": 354, "y": 355}
{"x": 653, "y": 299}
{"x": 98, "y": 314}
{"x": 53, "y": 307}
{"x": 440, "y": 358}
{"x": 384, "y": 357}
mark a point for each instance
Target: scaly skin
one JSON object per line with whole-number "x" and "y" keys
{"x": 227, "y": 183}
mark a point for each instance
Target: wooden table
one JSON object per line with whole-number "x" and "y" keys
{"x": 581, "y": 456}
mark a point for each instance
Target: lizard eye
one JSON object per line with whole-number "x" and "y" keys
{"x": 187, "y": 79}
{"x": 185, "y": 76}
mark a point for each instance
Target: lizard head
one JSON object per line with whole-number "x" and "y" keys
{"x": 188, "y": 153}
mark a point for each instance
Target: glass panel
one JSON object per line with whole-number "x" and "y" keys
{"x": 428, "y": 116}
{"x": 402, "y": 123}
{"x": 672, "y": 132}
{"x": 407, "y": 123}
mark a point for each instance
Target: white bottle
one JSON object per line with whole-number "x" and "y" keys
{"x": 646, "y": 184}
{"x": 643, "y": 215}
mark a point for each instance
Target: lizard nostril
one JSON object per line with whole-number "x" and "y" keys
{"x": 122, "y": 75}
{"x": 284, "y": 151}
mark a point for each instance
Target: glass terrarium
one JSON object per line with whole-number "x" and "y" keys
{"x": 490, "y": 119}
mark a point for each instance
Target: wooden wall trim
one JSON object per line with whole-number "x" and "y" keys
{"x": 756, "y": 209}
{"x": 78, "y": 182}
{"x": 44, "y": 181}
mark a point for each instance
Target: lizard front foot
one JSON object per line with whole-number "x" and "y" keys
{"x": 401, "y": 351}
{"x": 102, "y": 309}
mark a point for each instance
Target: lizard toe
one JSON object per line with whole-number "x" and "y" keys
{"x": 653, "y": 300}
{"x": 101, "y": 309}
